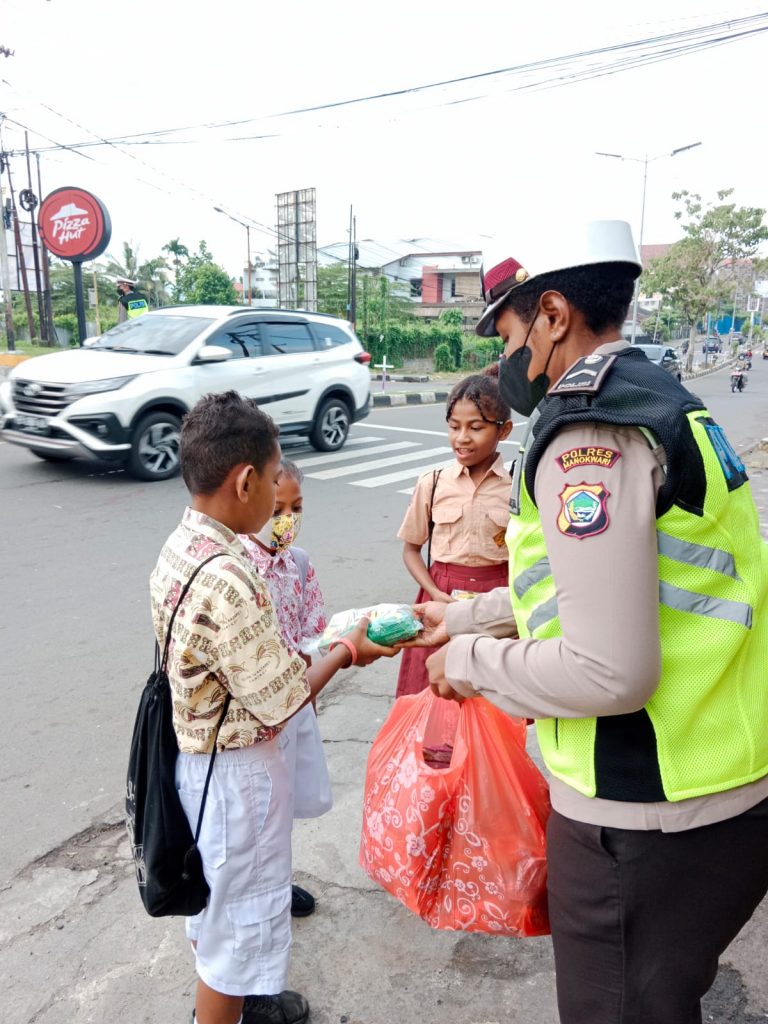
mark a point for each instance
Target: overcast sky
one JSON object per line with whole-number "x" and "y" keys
{"x": 462, "y": 162}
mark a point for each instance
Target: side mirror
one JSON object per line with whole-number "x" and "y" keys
{"x": 213, "y": 354}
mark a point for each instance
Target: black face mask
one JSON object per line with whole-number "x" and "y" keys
{"x": 515, "y": 387}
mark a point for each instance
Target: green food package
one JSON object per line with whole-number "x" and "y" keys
{"x": 389, "y": 624}
{"x": 394, "y": 627}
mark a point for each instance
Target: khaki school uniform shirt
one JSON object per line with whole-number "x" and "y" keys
{"x": 470, "y": 519}
{"x": 225, "y": 638}
{"x": 608, "y": 659}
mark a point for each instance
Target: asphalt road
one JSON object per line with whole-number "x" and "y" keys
{"x": 79, "y": 544}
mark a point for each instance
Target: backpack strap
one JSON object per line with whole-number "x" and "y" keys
{"x": 227, "y": 699}
{"x": 435, "y": 477}
{"x": 163, "y": 664}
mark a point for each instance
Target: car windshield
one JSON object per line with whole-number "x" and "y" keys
{"x": 654, "y": 352}
{"x": 164, "y": 335}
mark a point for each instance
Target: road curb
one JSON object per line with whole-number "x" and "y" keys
{"x": 710, "y": 369}
{"x": 409, "y": 398}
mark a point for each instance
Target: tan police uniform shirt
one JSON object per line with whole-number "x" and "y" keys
{"x": 470, "y": 519}
{"x": 225, "y": 638}
{"x": 608, "y": 659}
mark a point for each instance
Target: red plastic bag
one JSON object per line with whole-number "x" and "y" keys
{"x": 463, "y": 846}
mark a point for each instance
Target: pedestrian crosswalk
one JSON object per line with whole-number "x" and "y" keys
{"x": 375, "y": 460}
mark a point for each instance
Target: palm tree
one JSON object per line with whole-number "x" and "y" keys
{"x": 129, "y": 267}
{"x": 178, "y": 251}
{"x": 153, "y": 280}
{"x": 151, "y": 276}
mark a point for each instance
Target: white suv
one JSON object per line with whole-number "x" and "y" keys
{"x": 123, "y": 397}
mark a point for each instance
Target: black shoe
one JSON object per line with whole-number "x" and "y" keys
{"x": 302, "y": 902}
{"x": 287, "y": 1008}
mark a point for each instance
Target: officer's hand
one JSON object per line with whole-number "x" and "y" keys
{"x": 432, "y": 616}
{"x": 436, "y": 672}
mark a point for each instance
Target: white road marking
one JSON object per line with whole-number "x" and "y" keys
{"x": 393, "y": 478}
{"x": 342, "y": 456}
{"x": 433, "y": 433}
{"x": 364, "y": 467}
{"x": 293, "y": 443}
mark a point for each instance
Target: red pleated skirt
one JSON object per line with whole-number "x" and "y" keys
{"x": 477, "y": 578}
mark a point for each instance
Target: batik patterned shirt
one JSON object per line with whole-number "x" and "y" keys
{"x": 225, "y": 639}
{"x": 298, "y": 602}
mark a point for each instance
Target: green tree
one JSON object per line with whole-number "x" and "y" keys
{"x": 153, "y": 281}
{"x": 151, "y": 276}
{"x": 443, "y": 359}
{"x": 203, "y": 281}
{"x": 332, "y": 290}
{"x": 128, "y": 266}
{"x": 699, "y": 271}
{"x": 177, "y": 251}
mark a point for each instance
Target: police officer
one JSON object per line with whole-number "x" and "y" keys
{"x": 637, "y": 638}
{"x": 131, "y": 302}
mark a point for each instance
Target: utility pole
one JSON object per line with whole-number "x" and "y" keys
{"x": 250, "y": 272}
{"x": 353, "y": 297}
{"x": 29, "y": 202}
{"x": 5, "y": 269}
{"x": 349, "y": 268}
{"x": 45, "y": 261}
{"x": 21, "y": 260}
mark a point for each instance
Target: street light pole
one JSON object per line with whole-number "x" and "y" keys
{"x": 248, "y": 243}
{"x": 247, "y": 227}
{"x": 644, "y": 161}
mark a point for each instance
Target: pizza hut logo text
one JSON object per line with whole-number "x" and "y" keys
{"x": 69, "y": 223}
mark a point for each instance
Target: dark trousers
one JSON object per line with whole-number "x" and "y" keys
{"x": 639, "y": 919}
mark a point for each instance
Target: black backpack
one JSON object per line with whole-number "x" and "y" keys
{"x": 168, "y": 865}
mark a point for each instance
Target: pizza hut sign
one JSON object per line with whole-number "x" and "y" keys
{"x": 74, "y": 224}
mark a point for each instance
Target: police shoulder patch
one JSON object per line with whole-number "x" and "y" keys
{"x": 583, "y": 510}
{"x": 585, "y": 377}
{"x": 588, "y": 455}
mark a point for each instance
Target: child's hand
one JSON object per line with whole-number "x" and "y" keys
{"x": 367, "y": 651}
{"x": 443, "y": 598}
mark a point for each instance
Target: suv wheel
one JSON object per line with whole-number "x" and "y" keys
{"x": 331, "y": 426}
{"x": 155, "y": 448}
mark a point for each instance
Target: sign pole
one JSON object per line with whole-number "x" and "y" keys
{"x": 77, "y": 266}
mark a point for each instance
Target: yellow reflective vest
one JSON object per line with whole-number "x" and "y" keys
{"x": 705, "y": 729}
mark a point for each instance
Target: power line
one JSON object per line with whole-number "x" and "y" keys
{"x": 678, "y": 43}
{"x": 657, "y": 48}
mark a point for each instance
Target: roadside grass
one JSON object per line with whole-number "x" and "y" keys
{"x": 30, "y": 348}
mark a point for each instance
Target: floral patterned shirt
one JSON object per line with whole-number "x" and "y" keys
{"x": 298, "y": 603}
{"x": 225, "y": 638}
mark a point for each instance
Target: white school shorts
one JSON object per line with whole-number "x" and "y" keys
{"x": 244, "y": 934}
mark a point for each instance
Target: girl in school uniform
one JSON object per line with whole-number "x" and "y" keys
{"x": 461, "y": 512}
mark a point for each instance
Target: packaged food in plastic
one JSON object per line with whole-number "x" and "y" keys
{"x": 454, "y": 817}
{"x": 463, "y": 595}
{"x": 389, "y": 624}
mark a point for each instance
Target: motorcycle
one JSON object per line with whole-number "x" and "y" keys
{"x": 745, "y": 361}
{"x": 765, "y": 353}
{"x": 738, "y": 380}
